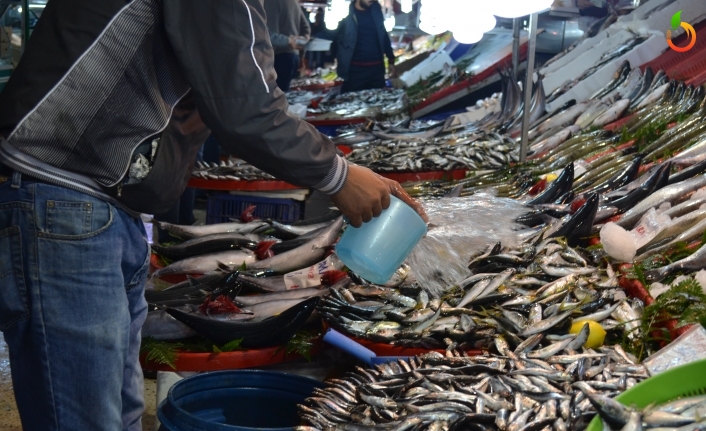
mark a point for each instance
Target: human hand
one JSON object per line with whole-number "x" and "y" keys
{"x": 365, "y": 194}
{"x": 293, "y": 43}
{"x": 391, "y": 70}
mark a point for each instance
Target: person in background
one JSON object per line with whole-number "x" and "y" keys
{"x": 95, "y": 81}
{"x": 318, "y": 25}
{"x": 287, "y": 26}
{"x": 360, "y": 46}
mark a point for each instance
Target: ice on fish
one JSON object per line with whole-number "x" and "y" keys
{"x": 618, "y": 243}
{"x": 657, "y": 289}
{"x": 649, "y": 226}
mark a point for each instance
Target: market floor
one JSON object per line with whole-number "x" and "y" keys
{"x": 10, "y": 419}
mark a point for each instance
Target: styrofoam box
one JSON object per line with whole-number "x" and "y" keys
{"x": 434, "y": 63}
{"x": 587, "y": 59}
{"x": 641, "y": 54}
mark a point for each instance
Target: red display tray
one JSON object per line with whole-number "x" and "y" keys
{"x": 402, "y": 177}
{"x": 682, "y": 65}
{"x": 384, "y": 349}
{"x": 336, "y": 122}
{"x": 229, "y": 360}
{"x": 474, "y": 80}
{"x": 617, "y": 125}
{"x": 227, "y": 185}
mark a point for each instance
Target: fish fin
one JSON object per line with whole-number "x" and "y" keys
{"x": 224, "y": 267}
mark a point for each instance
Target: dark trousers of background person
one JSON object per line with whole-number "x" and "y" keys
{"x": 364, "y": 77}
{"x": 286, "y": 65}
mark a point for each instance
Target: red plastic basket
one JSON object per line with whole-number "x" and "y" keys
{"x": 229, "y": 360}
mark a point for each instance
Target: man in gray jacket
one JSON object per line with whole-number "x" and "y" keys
{"x": 287, "y": 26}
{"x": 97, "y": 81}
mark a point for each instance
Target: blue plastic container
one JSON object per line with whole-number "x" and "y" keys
{"x": 245, "y": 400}
{"x": 376, "y": 250}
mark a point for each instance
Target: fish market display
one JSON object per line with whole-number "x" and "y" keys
{"x": 303, "y": 97}
{"x": 308, "y": 81}
{"x": 233, "y": 169}
{"x": 514, "y": 391}
{"x": 472, "y": 150}
{"x": 367, "y": 103}
{"x": 532, "y": 292}
{"x": 684, "y": 413}
{"x": 253, "y": 303}
{"x": 223, "y": 245}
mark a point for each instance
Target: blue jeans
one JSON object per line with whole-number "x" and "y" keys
{"x": 72, "y": 273}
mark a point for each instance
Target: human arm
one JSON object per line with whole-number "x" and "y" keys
{"x": 226, "y": 55}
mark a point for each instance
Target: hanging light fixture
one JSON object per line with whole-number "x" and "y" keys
{"x": 337, "y": 11}
{"x": 432, "y": 18}
{"x": 406, "y": 5}
{"x": 390, "y": 23}
{"x": 468, "y": 31}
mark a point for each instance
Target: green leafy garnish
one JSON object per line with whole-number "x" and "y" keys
{"x": 229, "y": 347}
{"x": 159, "y": 352}
{"x": 301, "y": 343}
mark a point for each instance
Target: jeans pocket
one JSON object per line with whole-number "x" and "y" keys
{"x": 76, "y": 219}
{"x": 140, "y": 276}
{"x": 14, "y": 305}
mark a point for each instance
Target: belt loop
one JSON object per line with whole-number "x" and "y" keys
{"x": 16, "y": 180}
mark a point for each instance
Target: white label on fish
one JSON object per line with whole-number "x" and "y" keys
{"x": 311, "y": 276}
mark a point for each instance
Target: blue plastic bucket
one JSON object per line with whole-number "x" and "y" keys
{"x": 244, "y": 400}
{"x": 376, "y": 250}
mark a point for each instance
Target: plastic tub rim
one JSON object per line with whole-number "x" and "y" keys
{"x": 188, "y": 418}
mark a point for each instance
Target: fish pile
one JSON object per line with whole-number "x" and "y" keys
{"x": 683, "y": 414}
{"x": 235, "y": 244}
{"x": 604, "y": 60}
{"x": 233, "y": 169}
{"x": 508, "y": 119}
{"x": 512, "y": 391}
{"x": 209, "y": 306}
{"x": 600, "y": 157}
{"x": 367, "y": 103}
{"x": 240, "y": 294}
{"x": 398, "y": 152}
{"x": 303, "y": 97}
{"x": 532, "y": 292}
{"x": 305, "y": 82}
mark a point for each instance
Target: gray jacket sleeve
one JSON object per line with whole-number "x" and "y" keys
{"x": 225, "y": 51}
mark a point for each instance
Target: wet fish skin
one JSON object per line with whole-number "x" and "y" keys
{"x": 302, "y": 256}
